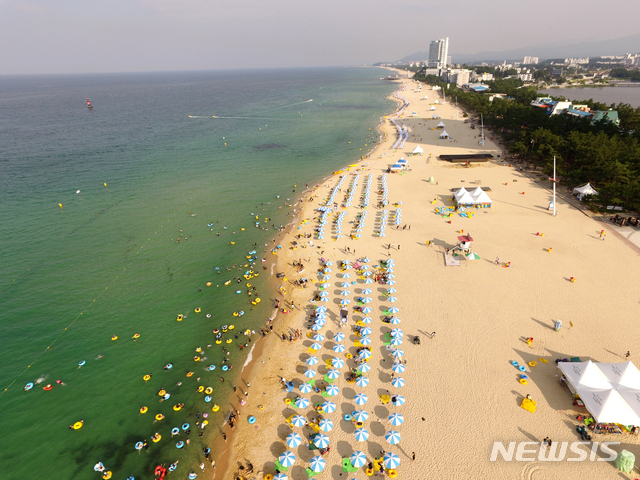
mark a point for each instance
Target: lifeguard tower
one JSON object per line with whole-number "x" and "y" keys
{"x": 464, "y": 243}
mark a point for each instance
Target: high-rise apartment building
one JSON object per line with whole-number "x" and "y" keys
{"x": 530, "y": 61}
{"x": 438, "y": 53}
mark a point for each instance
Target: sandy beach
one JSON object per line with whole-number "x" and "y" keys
{"x": 462, "y": 392}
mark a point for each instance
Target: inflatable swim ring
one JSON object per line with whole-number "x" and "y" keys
{"x": 215, "y": 330}
{"x": 139, "y": 445}
{"x": 229, "y": 340}
{"x": 156, "y": 438}
{"x": 349, "y": 355}
{"x": 251, "y": 419}
{"x": 192, "y": 475}
{"x": 208, "y": 391}
{"x": 247, "y": 332}
{"x": 207, "y": 398}
{"x": 180, "y": 444}
{"x": 231, "y": 327}
{"x": 523, "y": 381}
{"x": 48, "y": 387}
{"x": 162, "y": 392}
{"x": 168, "y": 366}
{"x": 146, "y": 378}
{"x": 200, "y": 389}
{"x": 114, "y": 338}
{"x": 136, "y": 335}
{"x": 392, "y": 473}
{"x": 175, "y": 431}
{"x": 77, "y": 425}
{"x": 177, "y": 407}
{"x": 347, "y": 417}
{"x": 196, "y": 358}
{"x": 235, "y": 314}
{"x": 208, "y": 315}
{"x": 107, "y": 475}
{"x": 205, "y": 422}
{"x": 82, "y": 363}
{"x": 180, "y": 317}
{"x": 287, "y": 401}
{"x": 224, "y": 329}
{"x": 533, "y": 363}
{"x": 185, "y": 426}
{"x": 218, "y": 342}
{"x": 159, "y": 416}
{"x": 208, "y": 284}
{"x": 268, "y": 476}
{"x": 189, "y": 374}
{"x": 144, "y": 409}
{"x": 225, "y": 368}
{"x": 197, "y": 310}
{"x": 544, "y": 360}
{"x": 212, "y": 368}
{"x": 215, "y": 408}
{"x": 369, "y": 471}
{"x": 522, "y": 368}
{"x": 166, "y": 396}
{"x": 28, "y": 386}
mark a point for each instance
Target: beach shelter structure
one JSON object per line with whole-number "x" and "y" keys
{"x": 463, "y": 197}
{"x": 584, "y": 190}
{"x": 418, "y": 150}
{"x": 395, "y": 167}
{"x": 441, "y": 125}
{"x": 432, "y": 107}
{"x": 444, "y": 134}
{"x": 434, "y": 116}
{"x": 480, "y": 197}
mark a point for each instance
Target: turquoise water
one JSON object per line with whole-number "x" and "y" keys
{"x": 105, "y": 264}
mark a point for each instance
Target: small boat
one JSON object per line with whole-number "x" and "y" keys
{"x": 89, "y": 106}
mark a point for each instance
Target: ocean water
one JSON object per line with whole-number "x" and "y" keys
{"x": 151, "y": 163}
{"x": 608, "y": 95}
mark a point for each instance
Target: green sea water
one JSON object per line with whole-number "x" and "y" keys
{"x": 105, "y": 264}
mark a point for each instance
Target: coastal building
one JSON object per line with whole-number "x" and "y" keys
{"x": 438, "y": 53}
{"x": 477, "y": 87}
{"x": 459, "y": 76}
{"x": 610, "y": 116}
{"x": 583, "y": 111}
{"x": 526, "y": 77}
{"x": 531, "y": 60}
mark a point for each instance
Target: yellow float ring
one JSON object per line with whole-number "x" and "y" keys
{"x": 77, "y": 425}
{"x": 206, "y": 422}
{"x": 392, "y": 473}
{"x": 533, "y": 363}
{"x": 260, "y": 407}
{"x": 544, "y": 360}
{"x": 180, "y": 317}
{"x": 523, "y": 381}
{"x": 247, "y": 332}
{"x": 215, "y": 408}
{"x": 229, "y": 340}
{"x": 136, "y": 335}
{"x": 156, "y": 438}
{"x": 224, "y": 330}
{"x": 235, "y": 314}
{"x": 162, "y": 393}
{"x": 218, "y": 342}
{"x": 257, "y": 300}
{"x": 114, "y": 338}
{"x": 144, "y": 409}
{"x": 349, "y": 355}
{"x": 196, "y": 358}
{"x": 268, "y": 476}
{"x": 231, "y": 327}
{"x": 287, "y": 401}
{"x": 107, "y": 475}
{"x": 177, "y": 407}
{"x": 369, "y": 471}
{"x": 146, "y": 378}
{"x": 209, "y": 391}
{"x": 200, "y": 389}
{"x": 159, "y": 417}
{"x": 189, "y": 374}
{"x": 197, "y": 310}
{"x": 208, "y": 284}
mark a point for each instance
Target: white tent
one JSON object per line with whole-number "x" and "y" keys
{"x": 425, "y": 97}
{"x": 584, "y": 190}
{"x": 403, "y": 162}
{"x": 610, "y": 391}
{"x": 436, "y": 102}
{"x": 444, "y": 134}
{"x": 460, "y": 192}
{"x": 480, "y": 196}
{"x": 418, "y": 149}
{"x": 396, "y": 166}
{"x": 435, "y": 117}
{"x": 441, "y": 125}
{"x": 432, "y": 107}
{"x": 463, "y": 197}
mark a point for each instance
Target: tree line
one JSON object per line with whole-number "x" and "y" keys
{"x": 606, "y": 155}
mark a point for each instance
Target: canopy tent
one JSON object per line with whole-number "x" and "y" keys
{"x": 436, "y": 102}
{"x": 418, "y": 149}
{"x": 444, "y": 134}
{"x": 396, "y": 166}
{"x": 432, "y": 107}
{"x": 435, "y": 117}
{"x": 584, "y": 190}
{"x": 425, "y": 97}
{"x": 403, "y": 162}
{"x": 480, "y": 197}
{"x": 458, "y": 193}
{"x": 441, "y": 125}
{"x": 610, "y": 391}
{"x": 463, "y": 197}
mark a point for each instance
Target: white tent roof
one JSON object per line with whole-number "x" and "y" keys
{"x": 402, "y": 161}
{"x": 434, "y": 117}
{"x": 465, "y": 199}
{"x": 610, "y": 391}
{"x": 444, "y": 134}
{"x": 432, "y": 107}
{"x": 426, "y": 96}
{"x": 437, "y": 101}
{"x": 418, "y": 149}
{"x": 480, "y": 196}
{"x": 396, "y": 166}
{"x": 459, "y": 193}
{"x": 441, "y": 124}
{"x": 585, "y": 190}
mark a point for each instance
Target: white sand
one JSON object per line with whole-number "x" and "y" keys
{"x": 462, "y": 392}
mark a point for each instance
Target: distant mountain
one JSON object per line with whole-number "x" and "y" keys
{"x": 617, "y": 46}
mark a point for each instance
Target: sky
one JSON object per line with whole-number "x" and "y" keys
{"x": 91, "y": 36}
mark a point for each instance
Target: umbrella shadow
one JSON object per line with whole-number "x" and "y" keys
{"x": 344, "y": 449}
{"x": 277, "y": 448}
{"x": 377, "y": 429}
{"x": 384, "y": 377}
{"x": 298, "y": 471}
{"x": 283, "y": 431}
{"x": 381, "y": 411}
{"x": 374, "y": 449}
{"x": 349, "y": 393}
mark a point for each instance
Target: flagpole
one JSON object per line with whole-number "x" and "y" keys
{"x": 554, "y": 186}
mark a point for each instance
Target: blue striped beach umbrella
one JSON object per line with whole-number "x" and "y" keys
{"x": 318, "y": 337}
{"x": 398, "y": 367}
{"x": 391, "y": 261}
{"x": 302, "y": 402}
{"x": 298, "y": 421}
{"x": 324, "y": 299}
{"x": 368, "y": 281}
{"x": 366, "y": 354}
{"x": 321, "y": 309}
{"x": 324, "y": 294}
{"x": 339, "y": 348}
{"x": 337, "y": 362}
{"x": 394, "y": 310}
{"x": 360, "y": 399}
{"x": 366, "y": 259}
{"x": 332, "y": 390}
{"x": 396, "y": 341}
{"x": 391, "y": 290}
{"x": 366, "y": 300}
{"x": 287, "y": 459}
{"x": 345, "y": 284}
{"x": 362, "y": 381}
{"x": 397, "y": 353}
{"x": 366, "y": 310}
{"x": 280, "y": 476}
{"x": 392, "y": 299}
{"x": 326, "y": 277}
{"x": 316, "y": 326}
{"x": 325, "y": 425}
{"x": 338, "y": 337}
{"x": 333, "y": 374}
{"x": 392, "y": 437}
{"x": 360, "y": 415}
{"x": 366, "y": 331}
{"x": 321, "y": 440}
{"x": 346, "y": 275}
{"x": 345, "y": 301}
{"x": 325, "y": 285}
{"x": 320, "y": 316}
{"x": 391, "y": 282}
{"x": 312, "y": 360}
{"x": 310, "y": 373}
{"x": 306, "y": 388}
{"x": 366, "y": 320}
{"x": 317, "y": 463}
{"x": 396, "y": 332}
{"x": 293, "y": 440}
{"x": 329, "y": 263}
{"x": 358, "y": 459}
{"x": 366, "y": 291}
{"x": 398, "y": 382}
{"x": 390, "y": 460}
{"x": 328, "y": 407}
{"x": 316, "y": 346}
{"x": 394, "y": 321}
{"x": 361, "y": 434}
{"x": 345, "y": 293}
{"x": 327, "y": 270}
{"x": 397, "y": 400}
{"x": 365, "y": 341}
{"x": 364, "y": 367}
{"x": 396, "y": 419}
